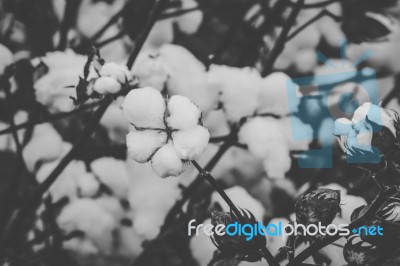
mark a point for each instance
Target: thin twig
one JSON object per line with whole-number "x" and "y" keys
{"x": 281, "y": 40}
{"x": 49, "y": 118}
{"x": 155, "y": 13}
{"x": 320, "y": 15}
{"x": 320, "y": 4}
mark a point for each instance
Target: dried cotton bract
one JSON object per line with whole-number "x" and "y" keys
{"x": 166, "y": 132}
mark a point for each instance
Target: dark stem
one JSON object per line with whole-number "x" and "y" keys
{"x": 49, "y": 118}
{"x": 155, "y": 13}
{"x": 320, "y": 4}
{"x": 281, "y": 40}
{"x": 70, "y": 12}
{"x": 269, "y": 257}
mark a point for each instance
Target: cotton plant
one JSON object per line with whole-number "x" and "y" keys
{"x": 167, "y": 132}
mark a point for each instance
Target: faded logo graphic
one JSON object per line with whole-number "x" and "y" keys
{"x": 337, "y": 102}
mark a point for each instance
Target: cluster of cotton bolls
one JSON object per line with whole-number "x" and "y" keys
{"x": 167, "y": 133}
{"x": 242, "y": 93}
{"x": 300, "y": 52}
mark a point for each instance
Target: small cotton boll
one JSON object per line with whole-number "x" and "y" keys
{"x": 112, "y": 173}
{"x": 119, "y": 72}
{"x": 6, "y": 58}
{"x": 87, "y": 216}
{"x": 274, "y": 96}
{"x": 278, "y": 164}
{"x": 145, "y": 107}
{"x": 106, "y": 85}
{"x": 88, "y": 185}
{"x": 189, "y": 23}
{"x": 202, "y": 247}
{"x": 45, "y": 145}
{"x": 299, "y": 134}
{"x": 150, "y": 71}
{"x": 190, "y": 143}
{"x": 81, "y": 246}
{"x": 182, "y": 113}
{"x": 239, "y": 89}
{"x": 262, "y": 135}
{"x": 342, "y": 126}
{"x": 143, "y": 144}
{"x": 166, "y": 162}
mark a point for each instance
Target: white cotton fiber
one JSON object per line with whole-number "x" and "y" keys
{"x": 106, "y": 85}
{"x": 182, "y": 113}
{"x": 166, "y": 162}
{"x": 190, "y": 143}
{"x": 143, "y": 144}
{"x": 145, "y": 107}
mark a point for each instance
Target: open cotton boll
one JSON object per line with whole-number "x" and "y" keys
{"x": 145, "y": 107}
{"x": 166, "y": 162}
{"x": 187, "y": 76}
{"x": 202, "y": 247}
{"x": 106, "y": 85}
{"x": 45, "y": 145}
{"x": 112, "y": 173}
{"x": 189, "y": 23}
{"x": 190, "y": 143}
{"x": 242, "y": 199}
{"x": 88, "y": 185}
{"x": 66, "y": 184}
{"x": 87, "y": 216}
{"x": 277, "y": 164}
{"x": 6, "y": 58}
{"x": 299, "y": 134}
{"x": 119, "y": 72}
{"x": 114, "y": 121}
{"x": 239, "y": 87}
{"x": 150, "y": 71}
{"x": 143, "y": 144}
{"x": 274, "y": 96}
{"x": 182, "y": 113}
{"x": 262, "y": 135}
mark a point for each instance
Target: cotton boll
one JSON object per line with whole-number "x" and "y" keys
{"x": 143, "y": 144}
{"x": 161, "y": 33}
{"x": 66, "y": 184}
{"x": 190, "y": 143}
{"x": 242, "y": 199}
{"x": 182, "y": 113}
{"x": 216, "y": 123}
{"x": 275, "y": 96}
{"x": 111, "y": 205}
{"x": 187, "y": 77}
{"x": 278, "y": 164}
{"x": 88, "y": 185}
{"x": 112, "y": 173}
{"x": 6, "y": 58}
{"x": 150, "y": 71}
{"x": 189, "y": 23}
{"x": 145, "y": 107}
{"x": 202, "y": 247}
{"x": 82, "y": 246}
{"x": 239, "y": 89}
{"x": 119, "y": 72}
{"x": 305, "y": 61}
{"x": 262, "y": 135}
{"x": 45, "y": 145}
{"x": 87, "y": 216}
{"x": 106, "y": 85}
{"x": 299, "y": 134}
{"x": 115, "y": 122}
{"x": 166, "y": 162}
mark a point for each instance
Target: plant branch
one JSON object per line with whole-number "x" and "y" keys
{"x": 49, "y": 118}
{"x": 281, "y": 40}
{"x": 320, "y": 15}
{"x": 155, "y": 13}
